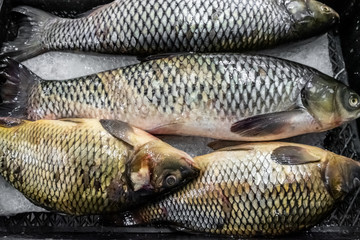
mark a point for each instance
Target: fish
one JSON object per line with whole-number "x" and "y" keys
{"x": 238, "y": 97}
{"x": 258, "y": 189}
{"x": 89, "y": 166}
{"x": 152, "y": 27}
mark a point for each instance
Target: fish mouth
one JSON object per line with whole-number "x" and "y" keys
{"x": 337, "y": 16}
{"x": 335, "y": 19}
{"x": 349, "y": 119}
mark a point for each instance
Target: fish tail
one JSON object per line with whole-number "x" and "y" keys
{"x": 14, "y": 92}
{"x": 28, "y": 42}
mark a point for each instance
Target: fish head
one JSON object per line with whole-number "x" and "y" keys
{"x": 310, "y": 17}
{"x": 158, "y": 167}
{"x": 153, "y": 166}
{"x": 341, "y": 175}
{"x": 347, "y": 103}
{"x": 330, "y": 102}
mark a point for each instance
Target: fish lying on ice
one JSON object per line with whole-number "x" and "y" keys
{"x": 147, "y": 27}
{"x": 223, "y": 96}
{"x": 88, "y": 166}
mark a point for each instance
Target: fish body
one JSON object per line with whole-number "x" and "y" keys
{"x": 265, "y": 189}
{"x": 87, "y": 166}
{"x": 223, "y": 96}
{"x": 150, "y": 27}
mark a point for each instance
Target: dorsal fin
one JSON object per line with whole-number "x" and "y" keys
{"x": 10, "y": 122}
{"x": 293, "y": 155}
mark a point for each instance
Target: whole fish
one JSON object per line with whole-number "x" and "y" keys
{"x": 223, "y": 96}
{"x": 143, "y": 27}
{"x": 256, "y": 189}
{"x": 88, "y": 166}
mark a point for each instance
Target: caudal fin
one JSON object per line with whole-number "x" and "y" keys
{"x": 15, "y": 90}
{"x": 28, "y": 42}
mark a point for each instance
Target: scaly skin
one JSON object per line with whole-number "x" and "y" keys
{"x": 193, "y": 94}
{"x": 77, "y": 167}
{"x": 247, "y": 192}
{"x": 147, "y": 27}
{"x": 159, "y": 26}
{"x": 144, "y": 27}
{"x": 59, "y": 168}
{"x": 206, "y": 88}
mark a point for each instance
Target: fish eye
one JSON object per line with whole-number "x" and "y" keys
{"x": 170, "y": 180}
{"x": 354, "y": 101}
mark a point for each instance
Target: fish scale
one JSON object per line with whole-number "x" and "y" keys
{"x": 149, "y": 27}
{"x": 237, "y": 197}
{"x": 175, "y": 88}
{"x": 169, "y": 26}
{"x": 84, "y": 166}
{"x": 225, "y": 96}
{"x": 37, "y": 166}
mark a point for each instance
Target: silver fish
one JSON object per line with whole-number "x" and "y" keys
{"x": 223, "y": 96}
{"x": 144, "y": 27}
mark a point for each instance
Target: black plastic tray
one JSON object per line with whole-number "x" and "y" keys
{"x": 342, "y": 223}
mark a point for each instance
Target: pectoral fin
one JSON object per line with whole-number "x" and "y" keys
{"x": 268, "y": 124}
{"x": 120, "y": 130}
{"x": 293, "y": 155}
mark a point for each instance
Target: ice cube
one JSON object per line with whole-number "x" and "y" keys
{"x": 312, "y": 52}
{"x": 65, "y": 65}
{"x": 13, "y": 202}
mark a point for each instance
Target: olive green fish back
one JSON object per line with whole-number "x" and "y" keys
{"x": 71, "y": 167}
{"x": 246, "y": 194}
